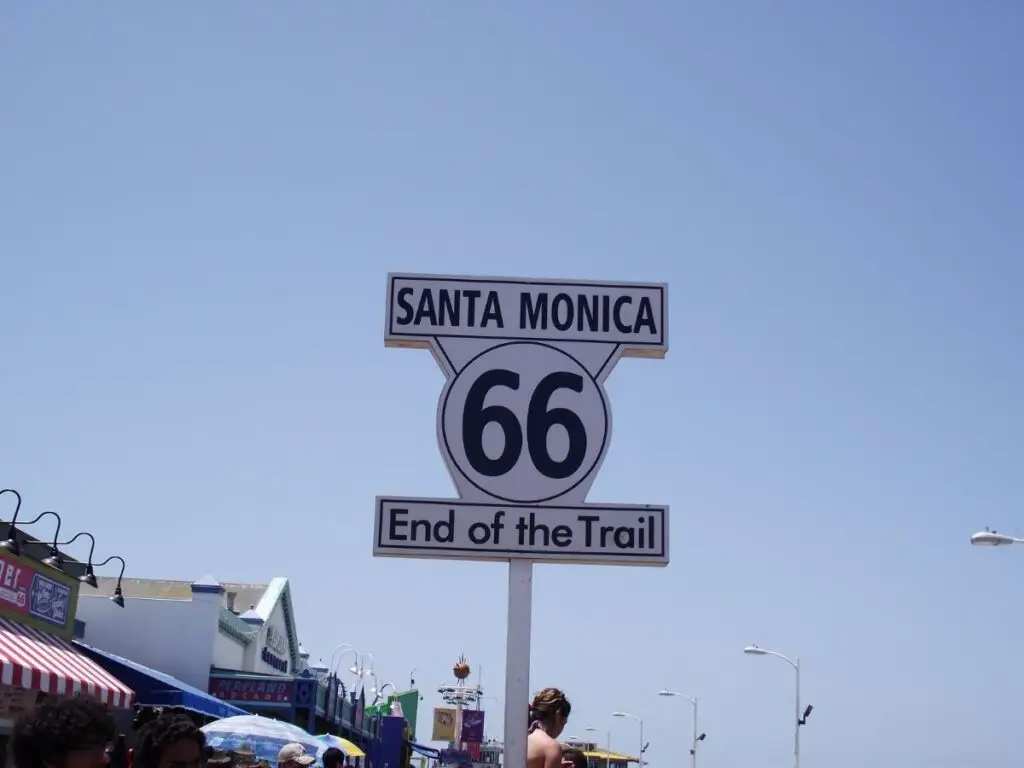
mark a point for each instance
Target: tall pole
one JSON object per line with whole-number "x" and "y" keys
{"x": 608, "y": 751}
{"x": 641, "y": 757}
{"x": 796, "y": 722}
{"x": 693, "y": 749}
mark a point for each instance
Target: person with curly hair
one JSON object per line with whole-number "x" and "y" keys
{"x": 171, "y": 740}
{"x": 73, "y": 733}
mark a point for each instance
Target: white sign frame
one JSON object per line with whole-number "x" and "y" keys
{"x": 498, "y": 342}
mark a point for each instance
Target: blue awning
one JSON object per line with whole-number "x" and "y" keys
{"x": 156, "y": 689}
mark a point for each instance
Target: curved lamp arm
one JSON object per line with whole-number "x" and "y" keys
{"x": 17, "y": 508}
{"x": 755, "y": 651}
{"x": 76, "y": 537}
{"x": 118, "y": 597}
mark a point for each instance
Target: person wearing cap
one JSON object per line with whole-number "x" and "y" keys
{"x": 294, "y": 756}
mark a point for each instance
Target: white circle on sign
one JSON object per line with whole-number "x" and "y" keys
{"x": 524, "y": 422}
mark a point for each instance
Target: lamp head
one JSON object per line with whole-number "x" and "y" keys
{"x": 117, "y": 598}
{"x": 667, "y": 693}
{"x": 990, "y": 539}
{"x": 753, "y": 650}
{"x": 89, "y": 577}
{"x": 619, "y": 714}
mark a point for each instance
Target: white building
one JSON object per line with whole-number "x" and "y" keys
{"x": 188, "y": 629}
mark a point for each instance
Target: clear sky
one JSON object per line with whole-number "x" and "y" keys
{"x": 198, "y": 205}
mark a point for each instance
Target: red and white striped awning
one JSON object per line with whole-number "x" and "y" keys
{"x": 40, "y": 661}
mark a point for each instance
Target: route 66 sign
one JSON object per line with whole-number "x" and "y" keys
{"x": 523, "y": 421}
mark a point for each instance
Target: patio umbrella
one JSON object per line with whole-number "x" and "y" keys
{"x": 261, "y": 735}
{"x": 328, "y": 740}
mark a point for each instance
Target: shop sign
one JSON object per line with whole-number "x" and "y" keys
{"x": 31, "y": 593}
{"x": 251, "y": 690}
{"x": 275, "y": 650}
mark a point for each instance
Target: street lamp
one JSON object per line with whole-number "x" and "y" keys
{"x": 696, "y": 738}
{"x": 801, "y": 719}
{"x": 608, "y": 748}
{"x": 989, "y": 538}
{"x": 118, "y": 597}
{"x": 640, "y": 757}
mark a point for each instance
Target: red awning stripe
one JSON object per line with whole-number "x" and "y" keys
{"x": 40, "y": 661}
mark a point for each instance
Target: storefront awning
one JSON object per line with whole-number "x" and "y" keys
{"x": 157, "y": 689}
{"x": 40, "y": 661}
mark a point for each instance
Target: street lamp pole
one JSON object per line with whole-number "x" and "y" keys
{"x": 639, "y": 757}
{"x": 696, "y": 738}
{"x": 608, "y": 748}
{"x": 753, "y": 650}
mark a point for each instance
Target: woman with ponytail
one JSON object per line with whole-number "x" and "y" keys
{"x": 548, "y": 715}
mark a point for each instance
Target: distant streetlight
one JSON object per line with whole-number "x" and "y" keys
{"x": 640, "y": 757}
{"x": 801, "y": 719}
{"x": 989, "y": 538}
{"x": 696, "y": 738}
{"x": 608, "y": 748}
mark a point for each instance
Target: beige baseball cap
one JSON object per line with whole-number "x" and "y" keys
{"x": 295, "y": 753}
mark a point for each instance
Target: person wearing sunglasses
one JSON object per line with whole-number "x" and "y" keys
{"x": 70, "y": 733}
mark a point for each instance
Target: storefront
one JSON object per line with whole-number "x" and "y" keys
{"x": 37, "y": 619}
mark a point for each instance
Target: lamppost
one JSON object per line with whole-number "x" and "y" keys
{"x": 989, "y": 538}
{"x": 643, "y": 747}
{"x": 608, "y": 747}
{"x": 696, "y": 738}
{"x": 801, "y": 719}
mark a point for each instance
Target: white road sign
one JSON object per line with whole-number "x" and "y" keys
{"x": 612, "y": 534}
{"x": 523, "y": 424}
{"x": 523, "y": 418}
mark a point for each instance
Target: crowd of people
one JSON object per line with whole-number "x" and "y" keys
{"x": 81, "y": 733}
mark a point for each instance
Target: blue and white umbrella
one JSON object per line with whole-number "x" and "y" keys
{"x": 262, "y": 735}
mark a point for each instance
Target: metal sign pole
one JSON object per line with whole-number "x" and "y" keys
{"x": 517, "y": 660}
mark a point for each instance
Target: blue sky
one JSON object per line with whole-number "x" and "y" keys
{"x": 199, "y": 202}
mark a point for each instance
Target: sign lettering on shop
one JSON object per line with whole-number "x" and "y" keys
{"x": 34, "y": 595}
{"x": 243, "y": 689}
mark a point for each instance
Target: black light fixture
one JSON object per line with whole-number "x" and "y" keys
{"x": 53, "y": 560}
{"x": 11, "y": 543}
{"x": 807, "y": 713}
{"x": 89, "y": 577}
{"x": 118, "y": 597}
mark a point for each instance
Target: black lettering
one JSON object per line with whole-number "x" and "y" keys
{"x": 606, "y": 303}
{"x": 521, "y": 530}
{"x": 588, "y": 529}
{"x": 394, "y": 523}
{"x": 650, "y": 531}
{"x": 625, "y": 537}
{"x": 479, "y": 533}
{"x": 540, "y": 528}
{"x": 606, "y": 531}
{"x": 425, "y": 310}
{"x": 645, "y": 317}
{"x": 640, "y": 534}
{"x": 587, "y": 314}
{"x": 403, "y": 303}
{"x": 472, "y": 296}
{"x": 448, "y": 308}
{"x": 533, "y": 315}
{"x": 561, "y": 535}
{"x": 620, "y": 326}
{"x": 562, "y": 320}
{"x": 492, "y": 311}
{"x": 423, "y": 526}
{"x": 444, "y": 530}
